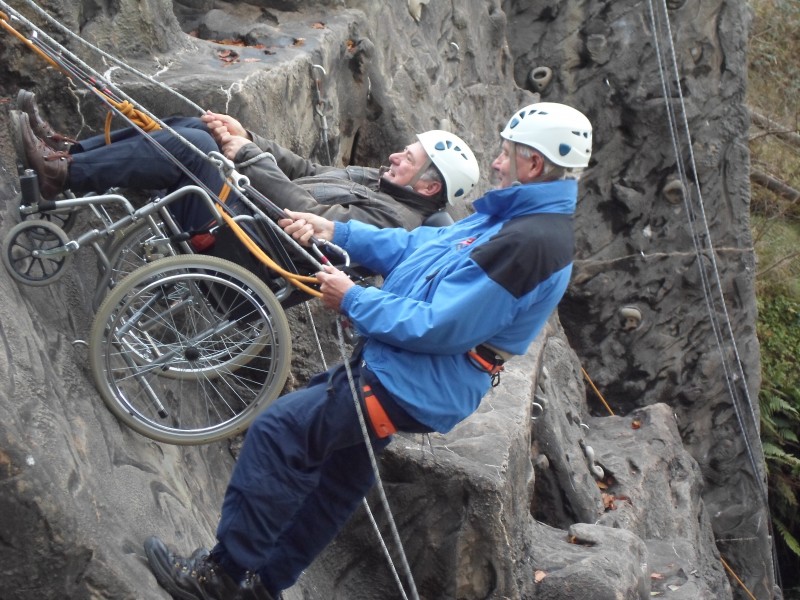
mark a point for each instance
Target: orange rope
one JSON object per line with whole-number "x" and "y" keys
{"x": 137, "y": 117}
{"x": 596, "y": 391}
{"x": 226, "y": 191}
{"x": 5, "y": 25}
{"x": 296, "y": 280}
{"x": 126, "y": 108}
{"x": 739, "y": 581}
{"x": 148, "y": 124}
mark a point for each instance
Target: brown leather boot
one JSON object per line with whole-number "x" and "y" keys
{"x": 51, "y": 166}
{"x": 26, "y": 102}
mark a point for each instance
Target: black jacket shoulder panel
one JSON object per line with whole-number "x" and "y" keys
{"x": 526, "y": 251}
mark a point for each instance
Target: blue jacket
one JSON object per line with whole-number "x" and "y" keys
{"x": 493, "y": 277}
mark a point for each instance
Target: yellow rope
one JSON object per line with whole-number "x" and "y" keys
{"x": 5, "y": 25}
{"x": 739, "y": 581}
{"x": 296, "y": 280}
{"x": 596, "y": 391}
{"x": 137, "y": 117}
{"x": 148, "y": 124}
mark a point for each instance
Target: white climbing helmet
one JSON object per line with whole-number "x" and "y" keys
{"x": 560, "y": 132}
{"x": 454, "y": 159}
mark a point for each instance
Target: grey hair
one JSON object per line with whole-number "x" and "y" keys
{"x": 432, "y": 173}
{"x": 552, "y": 171}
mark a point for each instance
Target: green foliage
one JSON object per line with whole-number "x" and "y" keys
{"x": 779, "y": 335}
{"x": 774, "y": 91}
{"x": 788, "y": 538}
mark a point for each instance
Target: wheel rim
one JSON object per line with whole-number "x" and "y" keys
{"x": 181, "y": 368}
{"x": 25, "y": 252}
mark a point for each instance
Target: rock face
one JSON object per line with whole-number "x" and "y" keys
{"x": 541, "y": 494}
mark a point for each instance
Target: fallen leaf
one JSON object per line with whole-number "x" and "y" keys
{"x": 318, "y": 25}
{"x": 228, "y": 56}
{"x": 299, "y": 42}
{"x": 636, "y": 424}
{"x": 230, "y": 42}
{"x": 539, "y": 575}
{"x": 656, "y": 576}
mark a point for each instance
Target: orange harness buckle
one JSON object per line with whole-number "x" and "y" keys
{"x": 492, "y": 368}
{"x": 381, "y": 423}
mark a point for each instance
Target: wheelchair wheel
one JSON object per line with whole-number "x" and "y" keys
{"x": 189, "y": 349}
{"x": 133, "y": 247}
{"x": 25, "y": 252}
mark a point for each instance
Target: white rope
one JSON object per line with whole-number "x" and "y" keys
{"x": 109, "y": 57}
{"x": 698, "y": 242}
{"x": 378, "y": 484}
{"x": 78, "y": 61}
{"x": 365, "y": 433}
{"x": 759, "y": 476}
{"x": 255, "y": 159}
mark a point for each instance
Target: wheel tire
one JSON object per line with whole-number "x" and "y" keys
{"x": 189, "y": 349}
{"x": 34, "y": 236}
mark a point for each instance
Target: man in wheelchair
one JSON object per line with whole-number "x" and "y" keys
{"x": 418, "y": 183}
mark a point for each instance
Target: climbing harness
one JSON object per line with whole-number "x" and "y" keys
{"x": 734, "y": 374}
{"x": 381, "y": 423}
{"x": 489, "y": 359}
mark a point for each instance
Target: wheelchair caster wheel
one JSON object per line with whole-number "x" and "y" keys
{"x": 28, "y": 252}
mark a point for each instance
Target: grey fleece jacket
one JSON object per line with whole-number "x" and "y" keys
{"x": 339, "y": 194}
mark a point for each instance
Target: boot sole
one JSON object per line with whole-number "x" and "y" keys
{"x": 158, "y": 559}
{"x": 15, "y": 116}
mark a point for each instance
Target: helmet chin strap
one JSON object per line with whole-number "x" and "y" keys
{"x": 512, "y": 164}
{"x": 420, "y": 172}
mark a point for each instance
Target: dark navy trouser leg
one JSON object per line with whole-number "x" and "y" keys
{"x": 345, "y": 479}
{"x": 132, "y": 161}
{"x": 306, "y": 450}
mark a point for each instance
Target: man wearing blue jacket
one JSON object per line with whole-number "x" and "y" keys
{"x": 456, "y": 302}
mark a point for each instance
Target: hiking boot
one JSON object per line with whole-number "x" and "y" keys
{"x": 198, "y": 577}
{"x": 52, "y": 167}
{"x": 26, "y": 102}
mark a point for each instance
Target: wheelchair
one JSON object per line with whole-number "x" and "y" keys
{"x": 185, "y": 347}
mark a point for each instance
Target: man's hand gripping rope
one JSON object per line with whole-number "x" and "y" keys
{"x": 298, "y": 229}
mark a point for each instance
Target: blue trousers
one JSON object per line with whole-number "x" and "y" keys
{"x": 302, "y": 472}
{"x": 133, "y": 161}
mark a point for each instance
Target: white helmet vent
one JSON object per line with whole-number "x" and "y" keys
{"x": 562, "y": 134}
